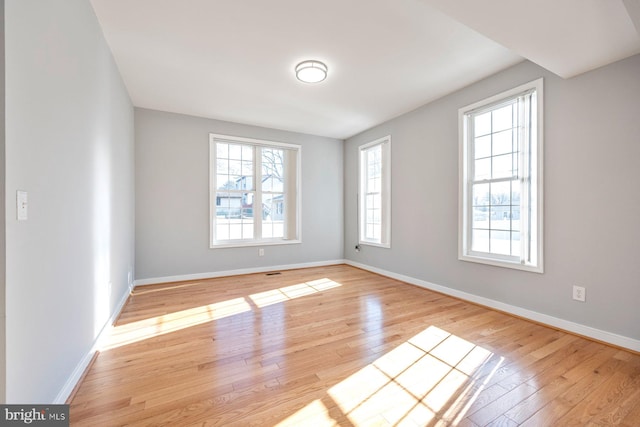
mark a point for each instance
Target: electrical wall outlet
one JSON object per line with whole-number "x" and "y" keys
{"x": 261, "y": 252}
{"x": 579, "y": 293}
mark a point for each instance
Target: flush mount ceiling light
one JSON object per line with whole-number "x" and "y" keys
{"x": 311, "y": 71}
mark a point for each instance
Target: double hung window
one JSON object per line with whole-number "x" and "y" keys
{"x": 254, "y": 192}
{"x": 501, "y": 179}
{"x": 375, "y": 193}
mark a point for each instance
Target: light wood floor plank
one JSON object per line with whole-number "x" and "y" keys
{"x": 339, "y": 346}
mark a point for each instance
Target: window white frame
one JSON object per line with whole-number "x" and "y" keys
{"x": 375, "y": 231}
{"x": 291, "y": 191}
{"x": 529, "y": 175}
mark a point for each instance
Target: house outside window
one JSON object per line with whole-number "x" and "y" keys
{"x": 374, "y": 211}
{"x": 254, "y": 194}
{"x": 501, "y": 187}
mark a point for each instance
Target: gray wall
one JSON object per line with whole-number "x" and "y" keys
{"x": 592, "y": 200}
{"x": 3, "y": 259}
{"x": 69, "y": 143}
{"x": 172, "y": 198}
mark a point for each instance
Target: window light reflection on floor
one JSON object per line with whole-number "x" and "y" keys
{"x": 274, "y": 296}
{"x": 428, "y": 378}
{"x": 155, "y": 326}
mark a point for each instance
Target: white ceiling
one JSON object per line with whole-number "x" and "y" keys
{"x": 567, "y": 37}
{"x": 234, "y": 60}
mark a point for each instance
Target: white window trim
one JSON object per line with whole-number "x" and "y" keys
{"x": 213, "y": 138}
{"x": 386, "y": 194}
{"x": 464, "y": 212}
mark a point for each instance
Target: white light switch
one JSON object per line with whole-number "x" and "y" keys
{"x": 22, "y": 203}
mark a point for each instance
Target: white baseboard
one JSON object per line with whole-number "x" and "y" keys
{"x": 212, "y": 275}
{"x": 81, "y": 367}
{"x": 576, "y": 328}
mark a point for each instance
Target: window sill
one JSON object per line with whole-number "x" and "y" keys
{"x": 253, "y": 243}
{"x": 377, "y": 245}
{"x": 501, "y": 263}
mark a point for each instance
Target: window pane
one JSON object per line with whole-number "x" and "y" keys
{"x": 515, "y": 218}
{"x": 374, "y": 163}
{"x": 373, "y": 185}
{"x": 247, "y": 230}
{"x": 502, "y": 142}
{"x": 515, "y": 243}
{"x": 500, "y": 218}
{"x": 235, "y": 152}
{"x": 373, "y": 216}
{"x": 515, "y": 192}
{"x": 278, "y": 184}
{"x": 500, "y": 242}
{"x": 369, "y": 201}
{"x": 222, "y": 230}
{"x": 502, "y": 118}
{"x": 375, "y": 153}
{"x": 247, "y": 167}
{"x": 377, "y": 231}
{"x": 481, "y": 195}
{"x": 482, "y": 147}
{"x": 222, "y": 166}
{"x": 482, "y": 124}
{"x": 377, "y": 201}
{"x": 247, "y": 213}
{"x": 267, "y": 182}
{"x": 272, "y": 184}
{"x": 246, "y": 183}
{"x": 273, "y": 215}
{"x": 482, "y": 169}
{"x": 369, "y": 231}
{"x": 235, "y": 167}
{"x": 370, "y": 216}
{"x": 480, "y": 217}
{"x": 247, "y": 152}
{"x": 502, "y": 166}
{"x": 223, "y": 182}
{"x": 235, "y": 231}
{"x": 224, "y": 202}
{"x": 273, "y": 168}
{"x": 234, "y": 216}
{"x": 501, "y": 193}
{"x": 222, "y": 150}
{"x": 480, "y": 240}
{"x": 278, "y": 229}
{"x": 233, "y": 183}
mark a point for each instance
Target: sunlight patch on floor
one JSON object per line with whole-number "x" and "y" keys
{"x": 155, "y": 326}
{"x": 432, "y": 377}
{"x": 160, "y": 325}
{"x": 275, "y": 296}
{"x": 315, "y": 414}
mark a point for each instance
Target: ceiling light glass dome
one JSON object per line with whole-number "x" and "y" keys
{"x": 311, "y": 71}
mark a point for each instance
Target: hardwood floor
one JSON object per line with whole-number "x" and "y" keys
{"x": 341, "y": 346}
